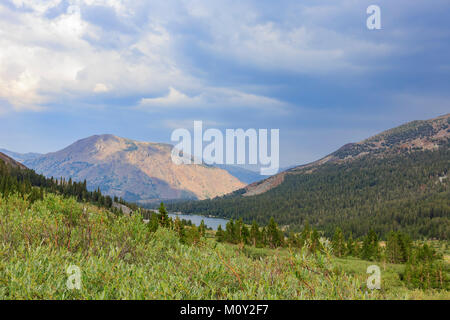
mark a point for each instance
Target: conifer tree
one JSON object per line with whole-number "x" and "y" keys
{"x": 338, "y": 243}
{"x": 230, "y": 233}
{"x": 179, "y": 229}
{"x": 274, "y": 235}
{"x": 255, "y": 234}
{"x": 370, "y": 247}
{"x": 163, "y": 216}
{"x": 220, "y": 234}
{"x": 153, "y": 223}
{"x": 245, "y": 234}
{"x": 398, "y": 247}
{"x": 202, "y": 228}
{"x": 350, "y": 246}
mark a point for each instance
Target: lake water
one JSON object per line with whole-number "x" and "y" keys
{"x": 210, "y": 222}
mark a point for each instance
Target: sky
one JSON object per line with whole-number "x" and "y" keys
{"x": 70, "y": 69}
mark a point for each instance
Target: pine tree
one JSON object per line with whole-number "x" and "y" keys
{"x": 238, "y": 231}
{"x": 163, "y": 216}
{"x": 230, "y": 233}
{"x": 370, "y": 248}
{"x": 338, "y": 243}
{"x": 153, "y": 223}
{"x": 202, "y": 228}
{"x": 274, "y": 235}
{"x": 351, "y": 249}
{"x": 194, "y": 235}
{"x": 220, "y": 236}
{"x": 245, "y": 233}
{"x": 398, "y": 247}
{"x": 255, "y": 234}
{"x": 179, "y": 229}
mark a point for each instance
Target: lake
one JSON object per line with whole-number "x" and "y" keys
{"x": 210, "y": 222}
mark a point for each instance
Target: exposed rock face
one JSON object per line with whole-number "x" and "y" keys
{"x": 136, "y": 171}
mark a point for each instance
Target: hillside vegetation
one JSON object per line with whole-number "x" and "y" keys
{"x": 121, "y": 258}
{"x": 385, "y": 183}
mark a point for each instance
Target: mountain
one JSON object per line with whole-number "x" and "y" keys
{"x": 140, "y": 172}
{"x": 21, "y": 157}
{"x": 9, "y": 161}
{"x": 245, "y": 175}
{"x": 414, "y": 136}
{"x": 396, "y": 180}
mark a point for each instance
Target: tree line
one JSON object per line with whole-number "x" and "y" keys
{"x": 406, "y": 192}
{"x": 28, "y": 183}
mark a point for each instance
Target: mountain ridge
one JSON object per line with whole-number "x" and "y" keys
{"x": 420, "y": 130}
{"x": 394, "y": 181}
{"x": 137, "y": 171}
{"x": 10, "y": 161}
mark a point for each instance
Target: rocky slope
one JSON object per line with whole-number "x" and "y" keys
{"x": 413, "y": 136}
{"x": 11, "y": 161}
{"x": 136, "y": 171}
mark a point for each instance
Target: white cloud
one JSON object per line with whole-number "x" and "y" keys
{"x": 174, "y": 98}
{"x": 210, "y": 97}
{"x": 43, "y": 61}
{"x": 100, "y": 88}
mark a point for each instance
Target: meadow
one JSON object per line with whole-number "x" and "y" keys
{"x": 121, "y": 258}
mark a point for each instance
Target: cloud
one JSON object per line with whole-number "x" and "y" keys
{"x": 199, "y": 54}
{"x": 100, "y": 88}
{"x": 189, "y": 124}
{"x": 44, "y": 61}
{"x": 173, "y": 98}
{"x": 210, "y": 98}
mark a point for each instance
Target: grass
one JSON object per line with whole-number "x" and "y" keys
{"x": 120, "y": 258}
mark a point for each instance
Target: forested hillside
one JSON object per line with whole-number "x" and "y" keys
{"x": 15, "y": 178}
{"x": 394, "y": 181}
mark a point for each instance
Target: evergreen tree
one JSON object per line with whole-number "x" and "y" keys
{"x": 193, "y": 235}
{"x": 274, "y": 235}
{"x": 230, "y": 233}
{"x": 220, "y": 236}
{"x": 245, "y": 234}
{"x": 202, "y": 228}
{"x": 153, "y": 223}
{"x": 163, "y": 216}
{"x": 238, "y": 231}
{"x": 398, "y": 247}
{"x": 425, "y": 269}
{"x": 255, "y": 234}
{"x": 370, "y": 247}
{"x": 351, "y": 246}
{"x": 179, "y": 229}
{"x": 338, "y": 243}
